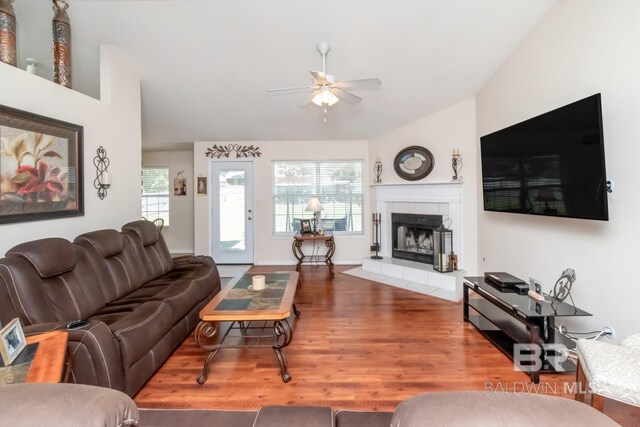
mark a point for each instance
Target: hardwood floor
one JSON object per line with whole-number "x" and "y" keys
{"x": 357, "y": 345}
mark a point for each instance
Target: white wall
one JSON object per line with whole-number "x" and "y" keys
{"x": 113, "y": 123}
{"x": 440, "y": 133}
{"x": 179, "y": 233}
{"x": 580, "y": 48}
{"x": 268, "y": 248}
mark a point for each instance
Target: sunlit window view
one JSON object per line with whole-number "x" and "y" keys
{"x": 232, "y": 209}
{"x": 155, "y": 194}
{"x": 337, "y": 184}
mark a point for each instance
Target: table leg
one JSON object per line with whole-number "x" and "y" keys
{"x": 295, "y": 310}
{"x": 282, "y": 329}
{"x": 297, "y": 252}
{"x": 206, "y": 330}
{"x": 202, "y": 378}
{"x": 331, "y": 248}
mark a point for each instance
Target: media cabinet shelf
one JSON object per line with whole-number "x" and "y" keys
{"x": 506, "y": 318}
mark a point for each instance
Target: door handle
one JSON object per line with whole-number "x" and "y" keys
{"x": 249, "y": 218}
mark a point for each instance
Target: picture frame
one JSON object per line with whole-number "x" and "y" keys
{"x": 12, "y": 341}
{"x": 41, "y": 173}
{"x": 180, "y": 185}
{"x": 201, "y": 186}
{"x": 305, "y": 226}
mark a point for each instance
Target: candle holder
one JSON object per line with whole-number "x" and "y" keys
{"x": 103, "y": 177}
{"x": 377, "y": 170}
{"x": 456, "y": 165}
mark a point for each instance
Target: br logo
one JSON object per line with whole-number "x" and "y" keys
{"x": 533, "y": 357}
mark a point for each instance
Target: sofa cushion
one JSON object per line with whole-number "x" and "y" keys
{"x": 118, "y": 266}
{"x": 69, "y": 405}
{"x": 46, "y": 290}
{"x": 461, "y": 409}
{"x": 107, "y": 242}
{"x": 137, "y": 327}
{"x": 150, "y": 249}
{"x": 358, "y": 419}
{"x": 196, "y": 418}
{"x": 612, "y": 371}
{"x": 307, "y": 416}
{"x": 38, "y": 253}
{"x": 145, "y": 230}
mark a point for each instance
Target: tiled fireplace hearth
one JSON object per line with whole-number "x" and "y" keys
{"x": 426, "y": 205}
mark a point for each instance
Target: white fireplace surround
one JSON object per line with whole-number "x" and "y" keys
{"x": 438, "y": 198}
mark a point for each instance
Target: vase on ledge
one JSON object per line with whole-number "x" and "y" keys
{"x": 7, "y": 33}
{"x": 61, "y": 44}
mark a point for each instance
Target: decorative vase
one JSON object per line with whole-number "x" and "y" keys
{"x": 7, "y": 33}
{"x": 61, "y": 44}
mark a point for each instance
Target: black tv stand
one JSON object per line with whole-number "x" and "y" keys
{"x": 506, "y": 318}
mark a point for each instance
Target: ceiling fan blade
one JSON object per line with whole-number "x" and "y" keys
{"x": 345, "y": 96}
{"x": 362, "y": 83}
{"x": 307, "y": 101}
{"x": 319, "y": 77}
{"x": 290, "y": 88}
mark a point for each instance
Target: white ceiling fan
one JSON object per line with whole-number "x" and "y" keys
{"x": 326, "y": 91}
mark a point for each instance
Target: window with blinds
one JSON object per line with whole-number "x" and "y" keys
{"x": 338, "y": 184}
{"x": 155, "y": 194}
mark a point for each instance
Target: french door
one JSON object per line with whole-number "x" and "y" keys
{"x": 232, "y": 212}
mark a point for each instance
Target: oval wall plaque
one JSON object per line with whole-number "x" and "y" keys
{"x": 413, "y": 163}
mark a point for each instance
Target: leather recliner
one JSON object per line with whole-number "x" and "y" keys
{"x": 139, "y": 303}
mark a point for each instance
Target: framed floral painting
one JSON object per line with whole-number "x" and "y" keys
{"x": 40, "y": 167}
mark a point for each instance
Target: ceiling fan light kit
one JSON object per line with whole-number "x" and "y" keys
{"x": 324, "y": 98}
{"x": 326, "y": 90}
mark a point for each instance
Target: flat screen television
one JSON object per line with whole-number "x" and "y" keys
{"x": 552, "y": 164}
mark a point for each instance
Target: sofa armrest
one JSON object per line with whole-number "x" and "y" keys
{"x": 42, "y": 328}
{"x": 95, "y": 359}
{"x": 632, "y": 342}
{"x": 68, "y": 405}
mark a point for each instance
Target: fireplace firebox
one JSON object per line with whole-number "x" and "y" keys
{"x": 412, "y": 236}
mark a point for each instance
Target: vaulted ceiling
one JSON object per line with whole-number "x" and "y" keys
{"x": 206, "y": 65}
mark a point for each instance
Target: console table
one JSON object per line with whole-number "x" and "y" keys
{"x": 327, "y": 239}
{"x": 506, "y": 318}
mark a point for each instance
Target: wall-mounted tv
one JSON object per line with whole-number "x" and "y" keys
{"x": 552, "y": 164}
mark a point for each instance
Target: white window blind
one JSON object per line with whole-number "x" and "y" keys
{"x": 155, "y": 194}
{"x": 337, "y": 183}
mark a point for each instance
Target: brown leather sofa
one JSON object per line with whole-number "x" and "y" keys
{"x": 138, "y": 302}
{"x": 73, "y": 405}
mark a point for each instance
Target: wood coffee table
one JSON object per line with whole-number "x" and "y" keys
{"x": 258, "y": 316}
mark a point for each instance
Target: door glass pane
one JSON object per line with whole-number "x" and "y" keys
{"x": 232, "y": 210}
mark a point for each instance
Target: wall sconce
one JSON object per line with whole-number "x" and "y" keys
{"x": 456, "y": 165}
{"x": 377, "y": 170}
{"x": 103, "y": 177}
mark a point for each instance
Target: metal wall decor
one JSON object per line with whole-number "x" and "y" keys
{"x": 61, "y": 44}
{"x": 7, "y": 33}
{"x": 103, "y": 177}
{"x": 225, "y": 151}
{"x": 456, "y": 165}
